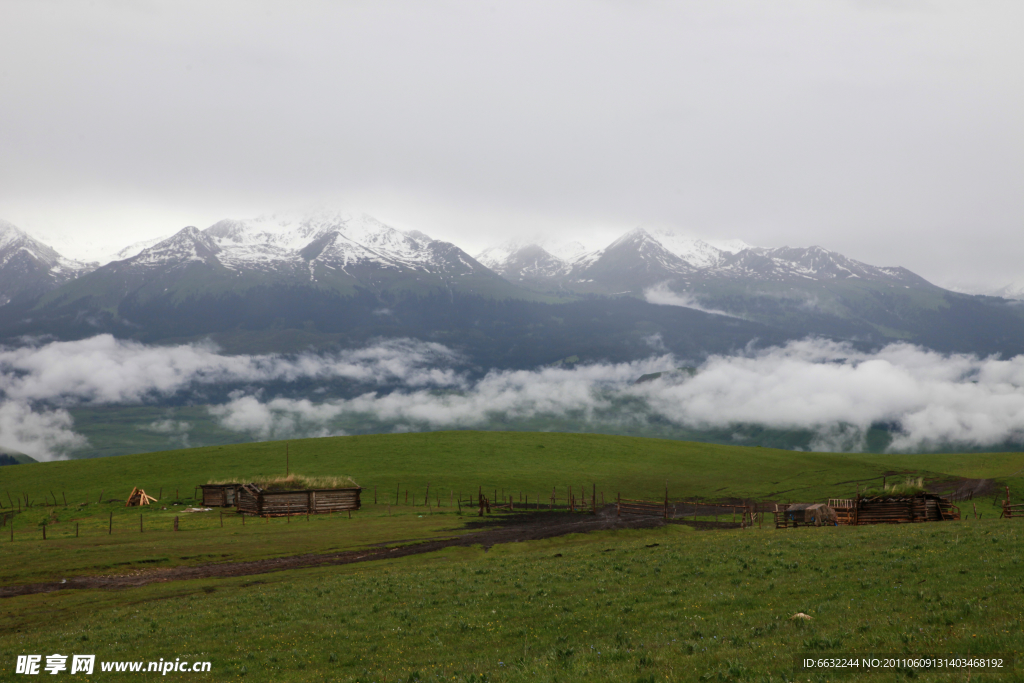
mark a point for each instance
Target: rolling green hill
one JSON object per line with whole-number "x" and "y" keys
{"x": 533, "y": 463}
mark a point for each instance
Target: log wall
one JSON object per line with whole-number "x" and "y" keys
{"x": 219, "y": 495}
{"x": 253, "y": 501}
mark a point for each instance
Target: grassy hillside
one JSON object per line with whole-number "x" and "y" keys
{"x": 635, "y": 606}
{"x": 515, "y": 461}
{"x": 668, "y": 603}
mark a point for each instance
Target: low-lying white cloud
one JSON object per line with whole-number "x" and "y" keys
{"x": 833, "y": 390}
{"x": 39, "y": 433}
{"x": 661, "y": 295}
{"x": 828, "y": 388}
{"x": 104, "y": 370}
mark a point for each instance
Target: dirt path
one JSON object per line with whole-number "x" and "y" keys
{"x": 529, "y": 526}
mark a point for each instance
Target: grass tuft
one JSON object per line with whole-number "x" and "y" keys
{"x": 292, "y": 482}
{"x": 908, "y": 487}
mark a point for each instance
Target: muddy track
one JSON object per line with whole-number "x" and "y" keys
{"x": 490, "y": 531}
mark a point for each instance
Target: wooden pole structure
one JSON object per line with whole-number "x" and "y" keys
{"x": 176, "y": 522}
{"x": 426, "y": 498}
{"x": 65, "y": 497}
{"x": 44, "y": 531}
{"x": 287, "y": 462}
{"x": 101, "y": 497}
{"x": 110, "y": 527}
{"x": 618, "y": 504}
{"x": 140, "y": 524}
{"x": 397, "y": 491}
{"x": 76, "y": 529}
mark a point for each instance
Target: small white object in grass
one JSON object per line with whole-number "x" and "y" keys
{"x": 801, "y": 615}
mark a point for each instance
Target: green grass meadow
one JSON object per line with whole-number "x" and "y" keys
{"x": 664, "y": 604}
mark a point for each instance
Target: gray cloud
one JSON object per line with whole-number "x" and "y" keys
{"x": 888, "y": 131}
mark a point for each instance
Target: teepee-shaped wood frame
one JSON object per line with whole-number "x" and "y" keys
{"x": 139, "y": 497}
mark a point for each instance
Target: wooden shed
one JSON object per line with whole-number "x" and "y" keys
{"x": 253, "y": 500}
{"x": 897, "y": 509}
{"x": 219, "y": 495}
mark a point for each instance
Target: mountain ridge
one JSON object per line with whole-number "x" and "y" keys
{"x": 332, "y": 276}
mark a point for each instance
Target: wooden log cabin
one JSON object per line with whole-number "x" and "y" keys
{"x": 219, "y": 495}
{"x": 253, "y": 500}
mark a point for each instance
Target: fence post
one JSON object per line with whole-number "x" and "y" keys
{"x": 618, "y": 504}
{"x": 666, "y": 503}
{"x": 110, "y": 528}
{"x": 101, "y": 498}
{"x": 76, "y": 529}
{"x": 175, "y": 522}
{"x": 44, "y": 531}
{"x": 140, "y": 524}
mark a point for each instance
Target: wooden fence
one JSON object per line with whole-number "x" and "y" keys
{"x": 640, "y": 507}
{"x": 1011, "y": 510}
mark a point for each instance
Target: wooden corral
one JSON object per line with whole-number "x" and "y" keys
{"x": 844, "y": 509}
{"x": 219, "y": 495}
{"x": 896, "y": 509}
{"x": 252, "y": 500}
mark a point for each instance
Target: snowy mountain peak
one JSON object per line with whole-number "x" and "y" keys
{"x": 28, "y": 267}
{"x": 9, "y": 233}
{"x": 188, "y": 244}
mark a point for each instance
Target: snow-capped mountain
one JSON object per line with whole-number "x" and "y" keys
{"x": 642, "y": 257}
{"x": 810, "y": 263}
{"x": 521, "y": 260}
{"x": 132, "y": 250}
{"x": 337, "y": 252}
{"x": 29, "y": 268}
{"x": 284, "y": 281}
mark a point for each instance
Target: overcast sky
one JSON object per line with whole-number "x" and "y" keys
{"x": 887, "y": 130}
